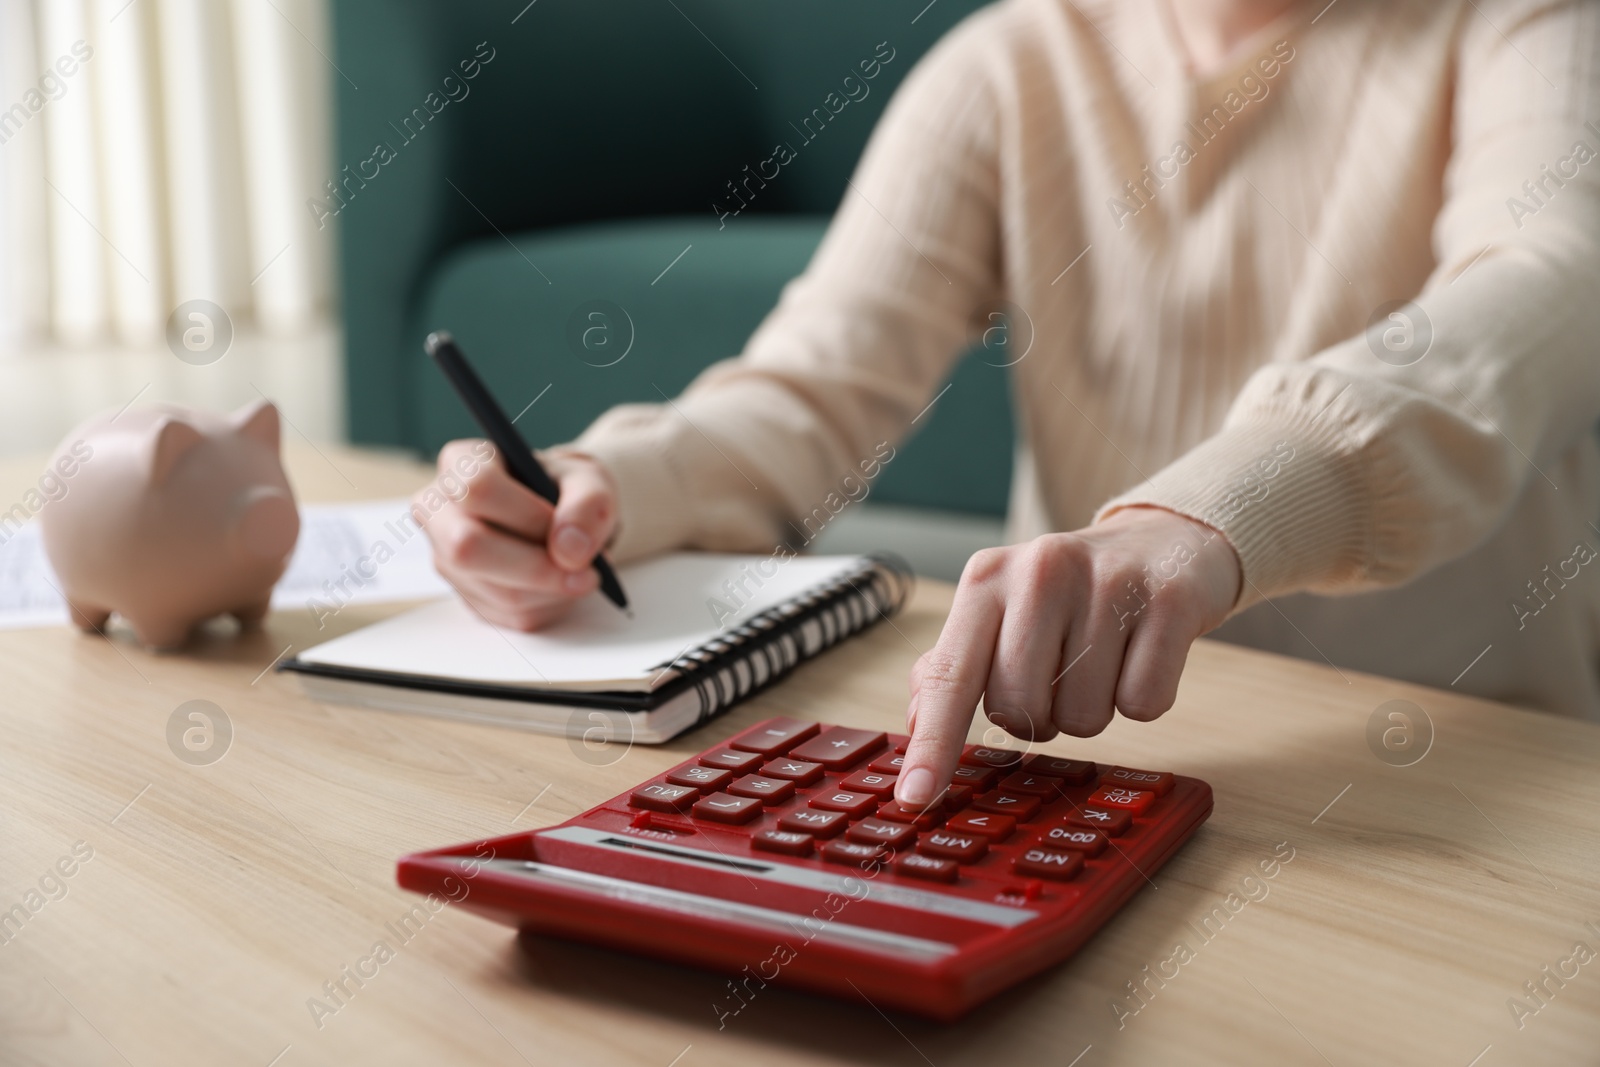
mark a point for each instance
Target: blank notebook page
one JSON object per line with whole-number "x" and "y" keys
{"x": 596, "y": 647}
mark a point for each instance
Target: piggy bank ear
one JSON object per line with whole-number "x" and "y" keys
{"x": 174, "y": 438}
{"x": 258, "y": 421}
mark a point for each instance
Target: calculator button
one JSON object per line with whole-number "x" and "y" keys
{"x": 994, "y": 827}
{"x": 929, "y": 867}
{"x": 877, "y": 832}
{"x": 957, "y": 796}
{"x": 658, "y": 796}
{"x": 731, "y": 760}
{"x": 1048, "y": 863}
{"x": 838, "y": 747}
{"x": 1089, "y": 842}
{"x": 1071, "y": 771}
{"x": 850, "y": 852}
{"x": 870, "y": 782}
{"x": 775, "y": 737}
{"x": 888, "y": 764}
{"x": 1110, "y": 823}
{"x": 1033, "y": 784}
{"x": 963, "y": 848}
{"x": 921, "y": 818}
{"x": 976, "y": 777}
{"x": 983, "y": 756}
{"x": 706, "y": 779}
{"x": 797, "y": 771}
{"x": 771, "y": 790}
{"x": 854, "y": 805}
{"x": 1157, "y": 782}
{"x": 1118, "y": 798}
{"x": 901, "y": 746}
{"x": 724, "y": 807}
{"x": 815, "y": 823}
{"x": 787, "y": 842}
{"x": 1019, "y": 806}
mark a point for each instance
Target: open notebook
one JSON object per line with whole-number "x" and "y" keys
{"x": 708, "y": 629}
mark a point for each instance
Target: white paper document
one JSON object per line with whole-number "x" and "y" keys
{"x": 366, "y": 553}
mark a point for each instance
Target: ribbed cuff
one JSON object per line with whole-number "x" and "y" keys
{"x": 654, "y": 511}
{"x": 1287, "y": 491}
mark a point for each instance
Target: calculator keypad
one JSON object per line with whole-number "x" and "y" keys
{"x": 1008, "y": 870}
{"x": 825, "y": 794}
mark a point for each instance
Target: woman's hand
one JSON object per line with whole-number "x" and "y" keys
{"x": 1056, "y": 633}
{"x": 516, "y": 559}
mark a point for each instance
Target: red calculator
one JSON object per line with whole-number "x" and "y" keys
{"x": 780, "y": 857}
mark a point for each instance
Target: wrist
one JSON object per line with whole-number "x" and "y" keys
{"x": 1200, "y": 550}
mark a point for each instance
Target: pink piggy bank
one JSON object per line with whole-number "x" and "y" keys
{"x": 170, "y": 518}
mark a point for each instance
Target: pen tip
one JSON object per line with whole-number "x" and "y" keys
{"x": 628, "y": 612}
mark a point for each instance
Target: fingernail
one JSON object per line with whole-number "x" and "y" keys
{"x": 575, "y": 583}
{"x": 916, "y": 788}
{"x": 573, "y": 546}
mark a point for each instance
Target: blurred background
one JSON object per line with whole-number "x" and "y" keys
{"x": 208, "y": 201}
{"x": 155, "y": 152}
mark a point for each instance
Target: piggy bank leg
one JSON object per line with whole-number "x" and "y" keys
{"x": 160, "y": 634}
{"x": 252, "y": 615}
{"x": 89, "y": 619}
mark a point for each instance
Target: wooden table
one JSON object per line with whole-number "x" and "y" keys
{"x": 220, "y": 898}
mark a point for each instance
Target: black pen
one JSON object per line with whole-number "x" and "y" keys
{"x": 519, "y": 458}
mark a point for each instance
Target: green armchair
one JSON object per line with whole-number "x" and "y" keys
{"x": 584, "y": 194}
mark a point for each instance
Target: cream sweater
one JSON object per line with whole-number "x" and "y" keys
{"x": 1199, "y": 260}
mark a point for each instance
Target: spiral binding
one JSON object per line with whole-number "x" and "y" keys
{"x": 750, "y": 657}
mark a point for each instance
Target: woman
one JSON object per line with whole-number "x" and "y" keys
{"x": 1314, "y": 295}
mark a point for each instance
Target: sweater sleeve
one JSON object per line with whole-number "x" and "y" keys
{"x": 855, "y": 349}
{"x": 1348, "y": 472}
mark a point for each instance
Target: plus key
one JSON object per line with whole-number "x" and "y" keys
{"x": 838, "y": 747}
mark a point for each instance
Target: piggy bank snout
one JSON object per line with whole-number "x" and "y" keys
{"x": 268, "y": 523}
